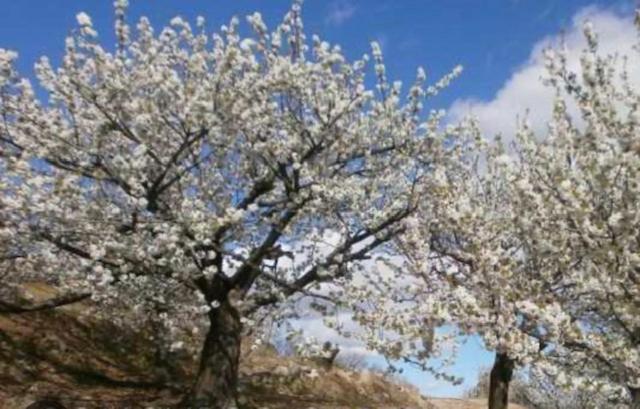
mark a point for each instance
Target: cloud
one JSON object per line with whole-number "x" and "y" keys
{"x": 314, "y": 327}
{"x": 340, "y": 11}
{"x": 525, "y": 94}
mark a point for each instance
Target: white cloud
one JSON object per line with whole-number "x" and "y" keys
{"x": 524, "y": 94}
{"x": 340, "y": 11}
{"x": 314, "y": 327}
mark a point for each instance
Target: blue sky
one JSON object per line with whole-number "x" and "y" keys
{"x": 490, "y": 38}
{"x": 495, "y": 40}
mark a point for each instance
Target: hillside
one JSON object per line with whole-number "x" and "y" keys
{"x": 85, "y": 363}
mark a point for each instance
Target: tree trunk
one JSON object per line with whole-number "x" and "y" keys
{"x": 217, "y": 379}
{"x": 635, "y": 398}
{"x": 500, "y": 378}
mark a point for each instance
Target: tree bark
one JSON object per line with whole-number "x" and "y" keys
{"x": 635, "y": 398}
{"x": 216, "y": 383}
{"x": 499, "y": 380}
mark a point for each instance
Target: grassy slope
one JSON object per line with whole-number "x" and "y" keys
{"x": 91, "y": 364}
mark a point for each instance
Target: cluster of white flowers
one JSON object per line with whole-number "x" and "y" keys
{"x": 199, "y": 179}
{"x": 534, "y": 247}
{"x": 186, "y": 163}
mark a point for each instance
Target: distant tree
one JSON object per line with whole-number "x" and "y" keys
{"x": 352, "y": 361}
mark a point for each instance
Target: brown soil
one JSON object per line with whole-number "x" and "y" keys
{"x": 81, "y": 362}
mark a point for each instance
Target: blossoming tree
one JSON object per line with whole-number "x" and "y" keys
{"x": 534, "y": 247}
{"x": 173, "y": 172}
{"x": 579, "y": 197}
{"x": 470, "y": 267}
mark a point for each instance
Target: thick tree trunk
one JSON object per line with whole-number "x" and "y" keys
{"x": 635, "y": 398}
{"x": 500, "y": 378}
{"x": 217, "y": 379}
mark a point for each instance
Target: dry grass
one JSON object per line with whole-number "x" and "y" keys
{"x": 92, "y": 364}
{"x": 465, "y": 404}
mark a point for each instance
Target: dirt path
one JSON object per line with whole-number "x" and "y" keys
{"x": 465, "y": 404}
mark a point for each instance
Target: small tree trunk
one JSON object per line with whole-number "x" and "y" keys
{"x": 499, "y": 380}
{"x": 217, "y": 379}
{"x": 635, "y": 398}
